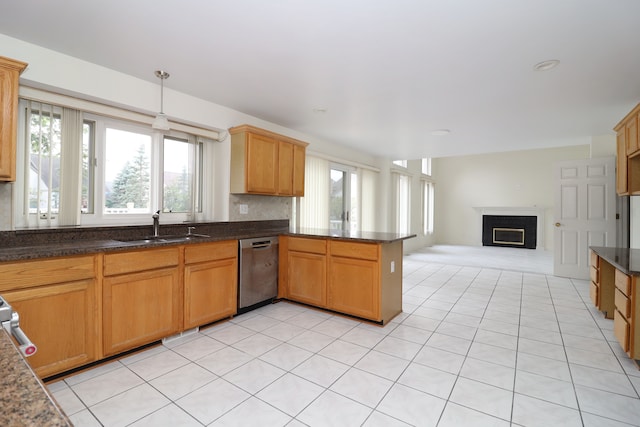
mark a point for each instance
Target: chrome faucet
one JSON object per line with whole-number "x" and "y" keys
{"x": 156, "y": 224}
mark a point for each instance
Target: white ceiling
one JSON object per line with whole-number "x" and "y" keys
{"x": 388, "y": 72}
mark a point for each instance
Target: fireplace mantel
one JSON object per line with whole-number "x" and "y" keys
{"x": 536, "y": 211}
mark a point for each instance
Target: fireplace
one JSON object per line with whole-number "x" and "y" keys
{"x": 514, "y": 231}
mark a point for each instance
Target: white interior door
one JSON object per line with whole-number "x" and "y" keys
{"x": 584, "y": 213}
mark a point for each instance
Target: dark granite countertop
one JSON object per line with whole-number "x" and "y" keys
{"x": 24, "y": 399}
{"x": 46, "y": 243}
{"x": 363, "y": 236}
{"x": 624, "y": 259}
{"x": 55, "y": 242}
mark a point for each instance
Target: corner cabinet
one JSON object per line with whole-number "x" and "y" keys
{"x": 210, "y": 282}
{"x": 10, "y": 70}
{"x": 263, "y": 162}
{"x": 57, "y": 300}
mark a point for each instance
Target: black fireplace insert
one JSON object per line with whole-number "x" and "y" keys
{"x": 514, "y": 231}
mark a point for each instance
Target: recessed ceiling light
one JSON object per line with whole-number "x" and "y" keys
{"x": 440, "y": 132}
{"x": 546, "y": 65}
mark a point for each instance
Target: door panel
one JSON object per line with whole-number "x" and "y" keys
{"x": 585, "y": 210}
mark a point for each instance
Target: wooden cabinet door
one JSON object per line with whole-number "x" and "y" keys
{"x": 9, "y": 73}
{"x": 140, "y": 308}
{"x": 261, "y": 164}
{"x": 61, "y": 320}
{"x": 299, "y": 153}
{"x": 622, "y": 187}
{"x": 354, "y": 287}
{"x": 285, "y": 168}
{"x": 631, "y": 135}
{"x": 210, "y": 291}
{"x": 307, "y": 278}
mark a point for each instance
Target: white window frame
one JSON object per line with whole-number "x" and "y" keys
{"x": 427, "y": 190}
{"x": 96, "y": 216}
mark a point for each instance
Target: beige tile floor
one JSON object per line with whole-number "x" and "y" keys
{"x": 484, "y": 344}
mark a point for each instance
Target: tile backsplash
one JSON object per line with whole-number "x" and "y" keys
{"x": 258, "y": 207}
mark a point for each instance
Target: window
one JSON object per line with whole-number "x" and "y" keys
{"x": 401, "y": 163}
{"x": 85, "y": 168}
{"x": 42, "y": 155}
{"x": 426, "y": 166}
{"x": 427, "y": 207}
{"x": 343, "y": 198}
{"x": 337, "y": 196}
{"x": 402, "y": 188}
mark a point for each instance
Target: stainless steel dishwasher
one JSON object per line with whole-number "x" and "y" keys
{"x": 258, "y": 272}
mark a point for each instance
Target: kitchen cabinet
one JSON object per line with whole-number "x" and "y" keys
{"x": 354, "y": 281}
{"x": 10, "y": 70}
{"x": 627, "y": 314}
{"x": 263, "y": 162}
{"x": 362, "y": 279}
{"x": 210, "y": 282}
{"x": 142, "y": 298}
{"x": 601, "y": 288}
{"x": 307, "y": 270}
{"x": 622, "y": 187}
{"x": 628, "y": 154}
{"x": 57, "y": 301}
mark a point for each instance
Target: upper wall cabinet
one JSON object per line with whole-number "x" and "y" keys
{"x": 10, "y": 70}
{"x": 264, "y": 162}
{"x": 628, "y": 154}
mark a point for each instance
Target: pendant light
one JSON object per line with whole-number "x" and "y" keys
{"x": 161, "y": 122}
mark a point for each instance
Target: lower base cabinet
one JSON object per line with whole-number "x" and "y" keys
{"x": 57, "y": 300}
{"x": 140, "y": 307}
{"x": 354, "y": 287}
{"x": 61, "y": 321}
{"x": 210, "y": 282}
{"x": 356, "y": 278}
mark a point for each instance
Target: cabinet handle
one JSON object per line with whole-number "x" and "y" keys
{"x": 557, "y": 224}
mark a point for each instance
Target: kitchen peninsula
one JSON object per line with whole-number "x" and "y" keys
{"x": 353, "y": 273}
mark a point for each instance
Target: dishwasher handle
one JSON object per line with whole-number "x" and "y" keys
{"x": 264, "y": 244}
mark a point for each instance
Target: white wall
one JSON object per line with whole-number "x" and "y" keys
{"x": 67, "y": 75}
{"x": 520, "y": 178}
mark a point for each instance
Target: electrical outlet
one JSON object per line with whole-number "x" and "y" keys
{"x": 244, "y": 209}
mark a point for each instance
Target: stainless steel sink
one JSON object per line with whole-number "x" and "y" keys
{"x": 165, "y": 239}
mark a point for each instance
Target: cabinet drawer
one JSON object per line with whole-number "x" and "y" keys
{"x": 27, "y": 274}
{"x": 595, "y": 260}
{"x": 354, "y": 250}
{"x": 623, "y": 304}
{"x": 595, "y": 274}
{"x": 314, "y": 246}
{"x": 621, "y": 330}
{"x": 127, "y": 262}
{"x": 593, "y": 293}
{"x": 210, "y": 251}
{"x": 623, "y": 282}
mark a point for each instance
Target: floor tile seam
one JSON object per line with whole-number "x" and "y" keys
{"x": 515, "y": 364}
{"x": 564, "y": 349}
{"x": 617, "y": 421}
{"x": 609, "y": 391}
{"x": 170, "y": 403}
{"x": 113, "y": 395}
{"x": 475, "y": 410}
{"x": 97, "y": 376}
